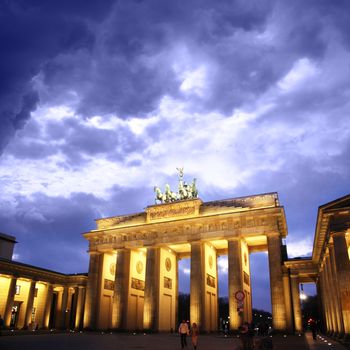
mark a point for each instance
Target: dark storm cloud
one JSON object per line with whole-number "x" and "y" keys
{"x": 131, "y": 67}
{"x": 119, "y": 59}
{"x": 80, "y": 140}
{"x": 31, "y": 34}
{"x": 49, "y": 229}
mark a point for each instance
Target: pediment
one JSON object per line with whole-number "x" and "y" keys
{"x": 338, "y": 204}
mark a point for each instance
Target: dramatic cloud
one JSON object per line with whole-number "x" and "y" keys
{"x": 99, "y": 102}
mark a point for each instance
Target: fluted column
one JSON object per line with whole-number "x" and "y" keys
{"x": 288, "y": 302}
{"x": 329, "y": 296}
{"x": 79, "y": 307}
{"x": 276, "y": 281}
{"x": 325, "y": 300}
{"x": 92, "y": 290}
{"x": 235, "y": 280}
{"x": 197, "y": 283}
{"x": 9, "y": 301}
{"x": 332, "y": 297}
{"x": 298, "y": 320}
{"x": 30, "y": 301}
{"x": 334, "y": 278}
{"x": 320, "y": 305}
{"x": 48, "y": 302}
{"x": 342, "y": 263}
{"x": 63, "y": 313}
{"x": 121, "y": 289}
{"x": 151, "y": 304}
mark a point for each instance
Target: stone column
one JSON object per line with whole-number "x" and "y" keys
{"x": 335, "y": 284}
{"x": 298, "y": 320}
{"x": 177, "y": 292}
{"x": 328, "y": 295}
{"x": 30, "y": 301}
{"x": 235, "y": 280}
{"x": 121, "y": 289}
{"x": 9, "y": 302}
{"x": 331, "y": 295}
{"x": 276, "y": 282}
{"x": 320, "y": 305}
{"x": 325, "y": 300}
{"x": 80, "y": 307}
{"x": 197, "y": 283}
{"x": 63, "y": 313}
{"x": 92, "y": 290}
{"x": 151, "y": 304}
{"x": 287, "y": 298}
{"x": 342, "y": 263}
{"x": 48, "y": 302}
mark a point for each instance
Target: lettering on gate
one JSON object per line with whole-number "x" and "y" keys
{"x": 167, "y": 213}
{"x": 173, "y": 210}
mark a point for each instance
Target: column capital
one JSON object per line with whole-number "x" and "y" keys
{"x": 117, "y": 250}
{"x": 234, "y": 239}
{"x": 273, "y": 234}
{"x": 195, "y": 243}
{"x": 95, "y": 252}
{"x": 294, "y": 275}
{"x": 338, "y": 233}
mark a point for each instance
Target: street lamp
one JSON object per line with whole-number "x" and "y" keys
{"x": 303, "y": 296}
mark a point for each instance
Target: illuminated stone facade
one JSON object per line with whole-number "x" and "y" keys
{"x": 329, "y": 268}
{"x": 132, "y": 283}
{"x": 35, "y": 298}
{"x": 144, "y": 249}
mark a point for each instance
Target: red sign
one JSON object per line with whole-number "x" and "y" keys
{"x": 239, "y": 295}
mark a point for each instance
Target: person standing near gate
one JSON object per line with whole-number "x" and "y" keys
{"x": 183, "y": 331}
{"x": 194, "y": 335}
{"x": 246, "y": 335}
{"x": 2, "y": 324}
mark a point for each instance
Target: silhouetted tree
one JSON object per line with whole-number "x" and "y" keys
{"x": 310, "y": 309}
{"x": 183, "y": 307}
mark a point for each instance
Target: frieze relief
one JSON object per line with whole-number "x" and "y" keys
{"x": 180, "y": 232}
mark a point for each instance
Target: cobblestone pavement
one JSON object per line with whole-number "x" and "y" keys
{"x": 117, "y": 341}
{"x": 322, "y": 343}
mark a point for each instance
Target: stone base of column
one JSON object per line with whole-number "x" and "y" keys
{"x": 345, "y": 339}
{"x": 340, "y": 335}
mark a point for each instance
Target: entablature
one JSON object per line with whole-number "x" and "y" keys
{"x": 19, "y": 270}
{"x": 218, "y": 226}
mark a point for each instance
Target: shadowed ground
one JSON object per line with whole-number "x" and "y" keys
{"x": 97, "y": 341}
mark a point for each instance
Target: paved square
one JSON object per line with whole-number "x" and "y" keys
{"x": 97, "y": 341}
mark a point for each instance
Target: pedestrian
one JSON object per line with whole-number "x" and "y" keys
{"x": 246, "y": 335}
{"x": 194, "y": 335}
{"x": 2, "y": 324}
{"x": 313, "y": 327}
{"x": 183, "y": 331}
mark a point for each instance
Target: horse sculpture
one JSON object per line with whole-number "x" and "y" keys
{"x": 159, "y": 195}
{"x": 170, "y": 196}
{"x": 185, "y": 191}
{"x": 194, "y": 189}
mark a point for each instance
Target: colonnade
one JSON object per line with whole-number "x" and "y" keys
{"x": 332, "y": 277}
{"x": 334, "y": 285}
{"x": 37, "y": 304}
{"x": 142, "y": 293}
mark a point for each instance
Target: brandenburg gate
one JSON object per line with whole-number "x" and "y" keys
{"x": 133, "y": 269}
